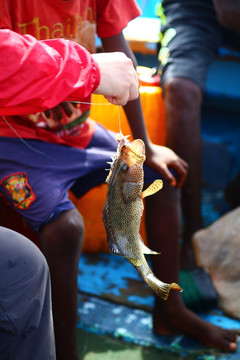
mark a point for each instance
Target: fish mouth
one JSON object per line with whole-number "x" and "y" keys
{"x": 137, "y": 147}
{"x": 131, "y": 153}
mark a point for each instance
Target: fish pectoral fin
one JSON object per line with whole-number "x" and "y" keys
{"x": 135, "y": 262}
{"x": 146, "y": 249}
{"x": 113, "y": 249}
{"x": 152, "y": 189}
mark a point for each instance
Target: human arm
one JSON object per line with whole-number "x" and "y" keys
{"x": 44, "y": 73}
{"x": 158, "y": 157}
{"x": 228, "y": 13}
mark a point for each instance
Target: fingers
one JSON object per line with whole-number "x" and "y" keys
{"x": 57, "y": 111}
{"x": 125, "y": 97}
{"x": 134, "y": 90}
{"x": 121, "y": 100}
{"x": 67, "y": 108}
{"x": 163, "y": 159}
{"x": 119, "y": 80}
{"x": 61, "y": 114}
{"x": 53, "y": 117}
{"x": 47, "y": 113}
{"x": 168, "y": 176}
{"x": 51, "y": 120}
{"x": 181, "y": 167}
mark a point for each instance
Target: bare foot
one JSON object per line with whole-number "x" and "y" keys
{"x": 179, "y": 319}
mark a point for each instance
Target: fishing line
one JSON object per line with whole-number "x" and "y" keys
{"x": 24, "y": 142}
{"x": 75, "y": 102}
{"x": 108, "y": 103}
{"x": 90, "y": 103}
{"x": 86, "y": 340}
{"x": 119, "y": 120}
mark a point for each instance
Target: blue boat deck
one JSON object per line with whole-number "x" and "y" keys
{"x": 114, "y": 301}
{"x": 104, "y": 281}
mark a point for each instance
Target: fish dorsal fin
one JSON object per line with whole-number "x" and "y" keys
{"x": 152, "y": 189}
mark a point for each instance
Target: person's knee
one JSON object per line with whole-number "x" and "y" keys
{"x": 64, "y": 235}
{"x": 183, "y": 98}
{"x": 70, "y": 224}
{"x": 183, "y": 93}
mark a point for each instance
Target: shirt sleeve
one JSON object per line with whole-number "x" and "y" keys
{"x": 114, "y": 15}
{"x": 38, "y": 75}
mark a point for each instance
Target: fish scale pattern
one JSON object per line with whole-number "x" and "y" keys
{"x": 123, "y": 210}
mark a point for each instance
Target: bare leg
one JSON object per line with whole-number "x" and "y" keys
{"x": 61, "y": 244}
{"x": 232, "y": 192}
{"x": 171, "y": 316}
{"x": 183, "y": 105}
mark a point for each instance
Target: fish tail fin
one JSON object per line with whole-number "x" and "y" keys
{"x": 160, "y": 288}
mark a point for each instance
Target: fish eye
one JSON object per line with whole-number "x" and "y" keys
{"x": 125, "y": 167}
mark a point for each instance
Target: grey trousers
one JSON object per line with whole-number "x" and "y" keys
{"x": 26, "y": 327}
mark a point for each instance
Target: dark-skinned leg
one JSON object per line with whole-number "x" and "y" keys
{"x": 170, "y": 316}
{"x": 61, "y": 242}
{"x": 183, "y": 100}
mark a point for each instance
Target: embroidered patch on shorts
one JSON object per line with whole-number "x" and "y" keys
{"x": 19, "y": 190}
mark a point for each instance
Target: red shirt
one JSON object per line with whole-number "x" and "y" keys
{"x": 72, "y": 19}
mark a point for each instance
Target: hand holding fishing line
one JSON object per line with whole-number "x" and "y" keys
{"x": 118, "y": 84}
{"x": 119, "y": 80}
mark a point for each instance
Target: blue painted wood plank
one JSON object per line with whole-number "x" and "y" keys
{"x": 133, "y": 325}
{"x": 107, "y": 306}
{"x": 112, "y": 277}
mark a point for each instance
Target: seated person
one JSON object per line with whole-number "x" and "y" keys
{"x": 26, "y": 329}
{"x": 191, "y": 33}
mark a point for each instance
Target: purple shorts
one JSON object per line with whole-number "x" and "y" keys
{"x": 35, "y": 176}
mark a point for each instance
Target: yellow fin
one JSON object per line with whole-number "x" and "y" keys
{"x": 152, "y": 189}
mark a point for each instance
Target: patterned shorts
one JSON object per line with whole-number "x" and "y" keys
{"x": 35, "y": 176}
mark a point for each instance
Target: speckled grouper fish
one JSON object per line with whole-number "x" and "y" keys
{"x": 123, "y": 210}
